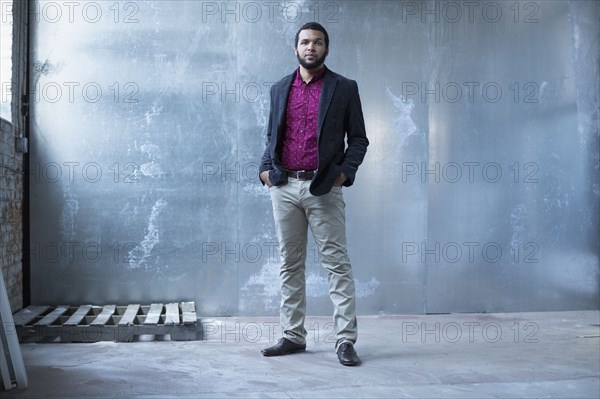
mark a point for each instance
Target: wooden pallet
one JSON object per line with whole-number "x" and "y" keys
{"x": 89, "y": 323}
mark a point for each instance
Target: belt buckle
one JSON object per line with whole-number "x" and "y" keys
{"x": 302, "y": 174}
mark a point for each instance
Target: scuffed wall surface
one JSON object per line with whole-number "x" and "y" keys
{"x": 479, "y": 192}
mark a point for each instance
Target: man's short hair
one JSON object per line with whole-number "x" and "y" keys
{"x": 313, "y": 26}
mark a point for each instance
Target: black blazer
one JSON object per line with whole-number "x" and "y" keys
{"x": 340, "y": 117}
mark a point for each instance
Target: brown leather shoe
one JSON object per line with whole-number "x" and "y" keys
{"x": 347, "y": 355}
{"x": 283, "y": 347}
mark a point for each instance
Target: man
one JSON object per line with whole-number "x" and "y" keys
{"x": 305, "y": 164}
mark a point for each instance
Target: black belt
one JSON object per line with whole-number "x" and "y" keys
{"x": 301, "y": 174}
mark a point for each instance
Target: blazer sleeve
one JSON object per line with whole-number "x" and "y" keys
{"x": 357, "y": 141}
{"x": 266, "y": 163}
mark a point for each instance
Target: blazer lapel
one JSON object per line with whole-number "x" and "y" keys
{"x": 284, "y": 95}
{"x": 329, "y": 83}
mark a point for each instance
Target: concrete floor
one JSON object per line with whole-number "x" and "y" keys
{"x": 515, "y": 355}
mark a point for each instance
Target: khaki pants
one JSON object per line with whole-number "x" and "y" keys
{"x": 295, "y": 209}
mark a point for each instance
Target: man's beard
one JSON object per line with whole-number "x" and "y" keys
{"x": 312, "y": 65}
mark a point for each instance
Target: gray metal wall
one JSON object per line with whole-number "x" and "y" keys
{"x": 479, "y": 191}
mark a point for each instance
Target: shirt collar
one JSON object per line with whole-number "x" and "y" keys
{"x": 314, "y": 79}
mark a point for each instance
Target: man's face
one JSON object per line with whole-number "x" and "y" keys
{"x": 310, "y": 49}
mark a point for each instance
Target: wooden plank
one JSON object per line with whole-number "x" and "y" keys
{"x": 129, "y": 315}
{"x": 105, "y": 315}
{"x": 8, "y": 332}
{"x": 76, "y": 318}
{"x": 153, "y": 316}
{"x": 8, "y": 385}
{"x": 25, "y": 316}
{"x": 188, "y": 311}
{"x": 51, "y": 317}
{"x": 172, "y": 315}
